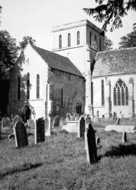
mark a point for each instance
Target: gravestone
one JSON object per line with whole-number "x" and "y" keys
{"x": 124, "y": 137}
{"x": 39, "y": 130}
{"x": 5, "y": 122}
{"x": 90, "y": 145}
{"x": 55, "y": 122}
{"x": 31, "y": 126}
{"x": 20, "y": 132}
{"x": 81, "y": 127}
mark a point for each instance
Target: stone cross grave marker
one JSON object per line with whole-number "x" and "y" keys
{"x": 20, "y": 132}
{"x": 81, "y": 127}
{"x": 39, "y": 131}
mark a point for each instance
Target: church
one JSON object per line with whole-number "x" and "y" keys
{"x": 110, "y": 75}
{"x": 114, "y": 83}
{"x": 77, "y": 76}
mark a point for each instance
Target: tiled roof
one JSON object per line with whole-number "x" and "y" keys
{"x": 122, "y": 61}
{"x": 57, "y": 61}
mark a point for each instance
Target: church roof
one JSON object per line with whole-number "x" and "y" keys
{"x": 57, "y": 61}
{"x": 112, "y": 62}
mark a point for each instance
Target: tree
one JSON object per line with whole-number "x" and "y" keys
{"x": 26, "y": 40}
{"x": 111, "y": 12}
{"x": 22, "y": 46}
{"x": 129, "y": 40}
{"x": 107, "y": 44}
{"x": 8, "y": 54}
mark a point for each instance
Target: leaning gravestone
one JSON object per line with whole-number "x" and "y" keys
{"x": 20, "y": 132}
{"x": 90, "y": 144}
{"x": 81, "y": 127}
{"x": 40, "y": 131}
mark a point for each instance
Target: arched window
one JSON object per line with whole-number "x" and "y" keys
{"x": 37, "y": 86}
{"x": 100, "y": 43}
{"x": 120, "y": 93}
{"x": 90, "y": 38}
{"x": 69, "y": 39}
{"x": 95, "y": 41}
{"x": 102, "y": 92}
{"x": 28, "y": 86}
{"x": 60, "y": 41}
{"x": 92, "y": 93}
{"x": 78, "y": 37}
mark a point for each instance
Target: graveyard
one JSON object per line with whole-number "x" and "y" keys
{"x": 59, "y": 162}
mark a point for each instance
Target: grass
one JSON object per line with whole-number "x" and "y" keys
{"x": 60, "y": 164}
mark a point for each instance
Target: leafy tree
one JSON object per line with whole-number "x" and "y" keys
{"x": 111, "y": 11}
{"x": 25, "y": 41}
{"x": 8, "y": 53}
{"x": 22, "y": 46}
{"x": 129, "y": 40}
{"x": 108, "y": 45}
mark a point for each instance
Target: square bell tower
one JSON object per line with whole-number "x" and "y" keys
{"x": 79, "y": 41}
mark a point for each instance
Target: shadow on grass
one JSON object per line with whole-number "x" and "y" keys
{"x": 24, "y": 167}
{"x": 121, "y": 150}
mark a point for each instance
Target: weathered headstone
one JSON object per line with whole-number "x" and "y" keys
{"x": 81, "y": 127}
{"x": 5, "y": 122}
{"x": 124, "y": 137}
{"x": 55, "y": 121}
{"x": 20, "y": 132}
{"x": 90, "y": 144}
{"x": 40, "y": 131}
{"x": 48, "y": 126}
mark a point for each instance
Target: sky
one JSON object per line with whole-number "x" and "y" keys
{"x": 36, "y": 18}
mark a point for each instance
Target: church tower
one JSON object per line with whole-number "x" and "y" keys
{"x": 79, "y": 41}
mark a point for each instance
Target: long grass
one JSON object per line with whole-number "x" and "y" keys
{"x": 60, "y": 164}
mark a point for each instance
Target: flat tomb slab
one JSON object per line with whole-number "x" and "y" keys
{"x": 71, "y": 127}
{"x": 121, "y": 128}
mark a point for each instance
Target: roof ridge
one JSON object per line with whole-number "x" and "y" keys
{"x": 50, "y": 51}
{"x": 57, "y": 61}
{"x": 115, "y": 50}
{"x": 115, "y": 61}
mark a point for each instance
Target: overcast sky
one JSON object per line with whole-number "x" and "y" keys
{"x": 37, "y": 17}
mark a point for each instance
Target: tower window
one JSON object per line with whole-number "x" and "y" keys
{"x": 37, "y": 86}
{"x": 60, "y": 41}
{"x": 120, "y": 93}
{"x": 78, "y": 37}
{"x": 69, "y": 39}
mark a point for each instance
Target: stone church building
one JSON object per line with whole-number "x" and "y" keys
{"x": 114, "y": 83}
{"x": 76, "y": 76}
{"x": 48, "y": 82}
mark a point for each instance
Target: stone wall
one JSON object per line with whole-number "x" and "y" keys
{"x": 67, "y": 91}
{"x": 32, "y": 64}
